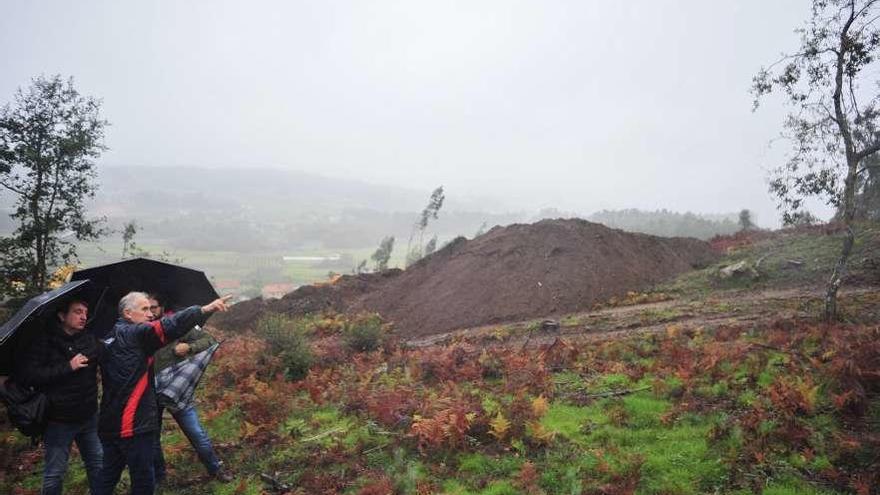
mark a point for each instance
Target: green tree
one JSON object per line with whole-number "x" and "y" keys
{"x": 829, "y": 86}
{"x": 431, "y": 246}
{"x": 435, "y": 202}
{"x": 50, "y": 136}
{"x": 129, "y": 246}
{"x": 482, "y": 230}
{"x": 745, "y": 220}
{"x": 360, "y": 268}
{"x": 800, "y": 218}
{"x": 383, "y": 253}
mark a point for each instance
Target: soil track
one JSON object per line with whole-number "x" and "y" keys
{"x": 722, "y": 309}
{"x": 548, "y": 268}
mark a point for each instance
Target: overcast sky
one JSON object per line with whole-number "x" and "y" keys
{"x": 579, "y": 105}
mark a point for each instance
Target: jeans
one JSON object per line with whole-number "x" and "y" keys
{"x": 136, "y": 453}
{"x": 188, "y": 420}
{"x": 57, "y": 441}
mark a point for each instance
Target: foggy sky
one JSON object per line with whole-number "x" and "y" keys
{"x": 579, "y": 105}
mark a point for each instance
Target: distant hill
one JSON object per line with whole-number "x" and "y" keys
{"x": 261, "y": 209}
{"x": 266, "y": 209}
{"x": 267, "y": 193}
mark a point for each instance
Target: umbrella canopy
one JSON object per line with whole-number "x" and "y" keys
{"x": 181, "y": 286}
{"x": 34, "y": 313}
{"x": 177, "y": 383}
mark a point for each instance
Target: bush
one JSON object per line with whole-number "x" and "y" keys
{"x": 286, "y": 338}
{"x": 364, "y": 333}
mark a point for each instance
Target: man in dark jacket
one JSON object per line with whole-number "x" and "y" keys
{"x": 62, "y": 362}
{"x": 128, "y": 421}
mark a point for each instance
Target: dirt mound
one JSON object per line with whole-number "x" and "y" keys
{"x": 337, "y": 296}
{"x": 510, "y": 273}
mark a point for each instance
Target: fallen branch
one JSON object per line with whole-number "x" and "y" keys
{"x": 274, "y": 483}
{"x": 612, "y": 393}
{"x": 374, "y": 449}
{"x": 761, "y": 260}
{"x": 325, "y": 433}
{"x": 617, "y": 393}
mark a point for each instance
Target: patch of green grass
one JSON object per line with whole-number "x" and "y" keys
{"x": 613, "y": 381}
{"x": 571, "y": 320}
{"x": 676, "y": 459}
{"x": 563, "y": 478}
{"x": 499, "y": 488}
{"x": 747, "y": 398}
{"x": 481, "y": 465}
{"x": 252, "y": 485}
{"x": 661, "y": 315}
{"x": 405, "y": 471}
{"x": 817, "y": 251}
{"x": 644, "y": 410}
{"x": 454, "y": 487}
{"x": 35, "y": 480}
{"x": 794, "y": 486}
{"x": 574, "y": 422}
{"x": 225, "y": 427}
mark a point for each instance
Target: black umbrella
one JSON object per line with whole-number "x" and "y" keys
{"x": 179, "y": 285}
{"x": 34, "y": 314}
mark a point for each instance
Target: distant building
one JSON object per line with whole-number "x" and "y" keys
{"x": 228, "y": 285}
{"x": 277, "y": 291}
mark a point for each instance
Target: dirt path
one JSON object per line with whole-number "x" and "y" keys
{"x": 732, "y": 308}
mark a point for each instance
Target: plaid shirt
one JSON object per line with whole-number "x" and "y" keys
{"x": 176, "y": 384}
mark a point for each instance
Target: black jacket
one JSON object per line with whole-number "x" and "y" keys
{"x": 128, "y": 406}
{"x": 45, "y": 364}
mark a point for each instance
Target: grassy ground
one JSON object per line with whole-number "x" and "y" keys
{"x": 794, "y": 258}
{"x": 705, "y": 385}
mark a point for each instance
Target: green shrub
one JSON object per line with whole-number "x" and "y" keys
{"x": 286, "y": 339}
{"x": 364, "y": 333}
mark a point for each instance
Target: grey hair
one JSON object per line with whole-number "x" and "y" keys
{"x": 128, "y": 300}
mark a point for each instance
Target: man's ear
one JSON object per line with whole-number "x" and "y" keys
{"x": 61, "y": 315}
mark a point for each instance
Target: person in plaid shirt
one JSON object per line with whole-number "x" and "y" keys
{"x": 178, "y": 368}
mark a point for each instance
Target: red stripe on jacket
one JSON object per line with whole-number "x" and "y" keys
{"x": 127, "y": 430}
{"x": 160, "y": 332}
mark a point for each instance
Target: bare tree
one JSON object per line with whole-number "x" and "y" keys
{"x": 833, "y": 119}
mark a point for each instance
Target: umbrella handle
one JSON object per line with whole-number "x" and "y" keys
{"x": 97, "y": 306}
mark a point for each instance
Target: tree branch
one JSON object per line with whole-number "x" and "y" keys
{"x": 842, "y": 123}
{"x": 13, "y": 189}
{"x": 870, "y": 150}
{"x": 852, "y": 96}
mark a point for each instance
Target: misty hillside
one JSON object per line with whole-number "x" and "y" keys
{"x": 668, "y": 223}
{"x": 259, "y": 209}
{"x": 267, "y": 193}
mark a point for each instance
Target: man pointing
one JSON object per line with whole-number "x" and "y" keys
{"x": 128, "y": 418}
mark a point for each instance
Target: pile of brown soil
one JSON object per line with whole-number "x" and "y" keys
{"x": 510, "y": 273}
